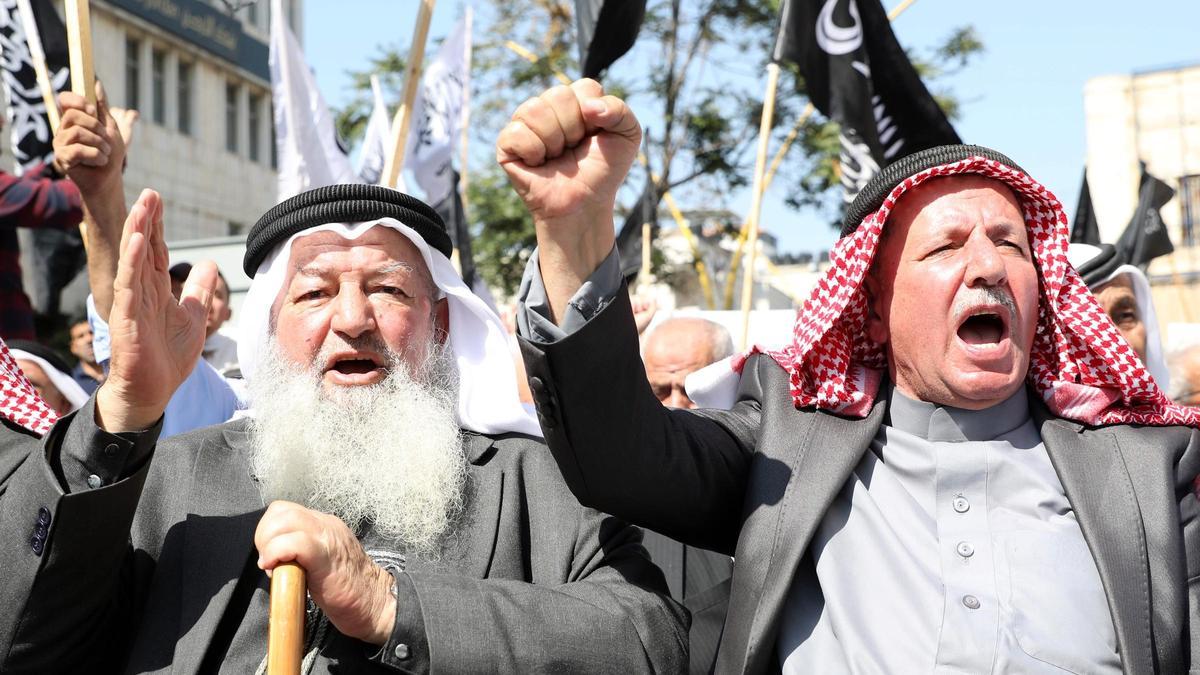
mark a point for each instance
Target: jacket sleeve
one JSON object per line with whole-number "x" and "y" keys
{"x": 681, "y": 473}
{"x": 37, "y": 199}
{"x": 611, "y": 614}
{"x": 1188, "y": 491}
{"x": 69, "y": 581}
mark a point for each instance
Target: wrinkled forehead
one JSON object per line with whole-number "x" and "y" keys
{"x": 377, "y": 249}
{"x": 946, "y": 202}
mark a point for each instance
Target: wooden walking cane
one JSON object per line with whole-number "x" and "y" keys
{"x": 285, "y": 636}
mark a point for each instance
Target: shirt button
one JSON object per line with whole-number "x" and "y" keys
{"x": 401, "y": 651}
{"x": 970, "y": 602}
{"x": 961, "y": 504}
{"x": 94, "y": 481}
{"x": 965, "y": 549}
{"x": 110, "y": 450}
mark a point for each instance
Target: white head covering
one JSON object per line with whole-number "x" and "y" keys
{"x": 63, "y": 382}
{"x": 487, "y": 399}
{"x": 1156, "y": 358}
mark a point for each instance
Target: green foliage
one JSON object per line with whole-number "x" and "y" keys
{"x": 695, "y": 80}
{"x": 388, "y": 65}
{"x": 502, "y": 230}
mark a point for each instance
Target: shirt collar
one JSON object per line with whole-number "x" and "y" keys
{"x": 940, "y": 423}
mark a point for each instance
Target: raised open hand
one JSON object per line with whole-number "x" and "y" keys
{"x": 156, "y": 340}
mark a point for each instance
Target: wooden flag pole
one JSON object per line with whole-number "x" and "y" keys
{"x": 760, "y": 168}
{"x": 285, "y": 636}
{"x": 412, "y": 79}
{"x": 79, "y": 46}
{"x": 744, "y": 234}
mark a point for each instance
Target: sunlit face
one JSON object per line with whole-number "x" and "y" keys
{"x": 218, "y": 311}
{"x": 44, "y": 386}
{"x": 1121, "y": 305}
{"x": 81, "y": 342}
{"x": 954, "y": 293}
{"x": 673, "y": 351}
{"x": 346, "y": 303}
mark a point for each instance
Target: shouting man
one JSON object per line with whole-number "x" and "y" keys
{"x": 958, "y": 464}
{"x": 386, "y": 454}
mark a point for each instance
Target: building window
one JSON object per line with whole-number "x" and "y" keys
{"x": 235, "y": 229}
{"x": 274, "y": 149}
{"x": 158, "y": 91}
{"x": 231, "y": 117}
{"x": 252, "y": 14}
{"x": 255, "y": 122}
{"x": 185, "y": 98}
{"x": 133, "y": 73}
{"x": 1189, "y": 192}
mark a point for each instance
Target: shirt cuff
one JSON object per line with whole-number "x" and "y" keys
{"x": 100, "y": 342}
{"x": 407, "y": 649}
{"x": 91, "y": 458}
{"x": 534, "y": 317}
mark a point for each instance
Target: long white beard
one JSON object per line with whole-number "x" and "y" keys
{"x": 388, "y": 455}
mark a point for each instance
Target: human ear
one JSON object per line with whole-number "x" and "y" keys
{"x": 441, "y": 320}
{"x": 876, "y": 327}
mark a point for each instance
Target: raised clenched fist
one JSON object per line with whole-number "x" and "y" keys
{"x": 566, "y": 153}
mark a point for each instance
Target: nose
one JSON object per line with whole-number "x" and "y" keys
{"x": 985, "y": 265}
{"x": 352, "y": 313}
{"x": 679, "y": 399}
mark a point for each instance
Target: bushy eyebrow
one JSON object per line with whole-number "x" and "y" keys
{"x": 320, "y": 272}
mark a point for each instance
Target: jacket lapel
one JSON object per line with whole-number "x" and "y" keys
{"x": 224, "y": 508}
{"x": 825, "y": 456}
{"x": 1097, "y": 484}
{"x": 473, "y": 550}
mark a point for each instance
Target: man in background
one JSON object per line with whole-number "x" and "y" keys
{"x": 1123, "y": 291}
{"x": 698, "y": 578}
{"x": 677, "y": 348}
{"x": 87, "y": 373}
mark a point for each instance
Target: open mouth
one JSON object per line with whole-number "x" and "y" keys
{"x": 983, "y": 328}
{"x": 354, "y": 368}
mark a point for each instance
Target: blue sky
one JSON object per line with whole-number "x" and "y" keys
{"x": 1022, "y": 96}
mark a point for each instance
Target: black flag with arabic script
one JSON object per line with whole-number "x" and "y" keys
{"x": 58, "y": 255}
{"x": 857, "y": 74}
{"x": 605, "y": 30}
{"x": 1146, "y": 236}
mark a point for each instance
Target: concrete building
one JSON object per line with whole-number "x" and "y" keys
{"x": 198, "y": 74}
{"x": 1153, "y": 117}
{"x": 200, "y": 79}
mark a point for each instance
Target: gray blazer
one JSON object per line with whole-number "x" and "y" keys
{"x": 755, "y": 482}
{"x": 156, "y": 572}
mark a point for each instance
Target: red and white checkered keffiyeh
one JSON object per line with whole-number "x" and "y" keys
{"x": 1080, "y": 364}
{"x": 19, "y": 401}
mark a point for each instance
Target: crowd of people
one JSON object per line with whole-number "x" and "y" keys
{"x": 975, "y": 455}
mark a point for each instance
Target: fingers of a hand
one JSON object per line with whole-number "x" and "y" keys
{"x": 519, "y": 142}
{"x": 158, "y": 243}
{"x": 280, "y": 517}
{"x": 101, "y": 102}
{"x": 85, "y": 138}
{"x": 129, "y": 264}
{"x": 565, "y": 105}
{"x": 587, "y": 88}
{"x": 613, "y": 115}
{"x": 299, "y": 546}
{"x": 198, "y": 290}
{"x": 539, "y": 118}
{"x": 136, "y": 220}
{"x": 69, "y": 100}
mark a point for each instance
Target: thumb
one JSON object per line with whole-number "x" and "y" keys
{"x": 198, "y": 291}
{"x": 611, "y": 114}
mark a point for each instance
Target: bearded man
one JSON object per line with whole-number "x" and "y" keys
{"x": 957, "y": 465}
{"x": 386, "y": 454}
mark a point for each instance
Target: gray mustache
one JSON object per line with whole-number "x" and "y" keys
{"x": 989, "y": 295}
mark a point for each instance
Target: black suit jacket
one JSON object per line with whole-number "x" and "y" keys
{"x": 756, "y": 480}
{"x": 155, "y": 571}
